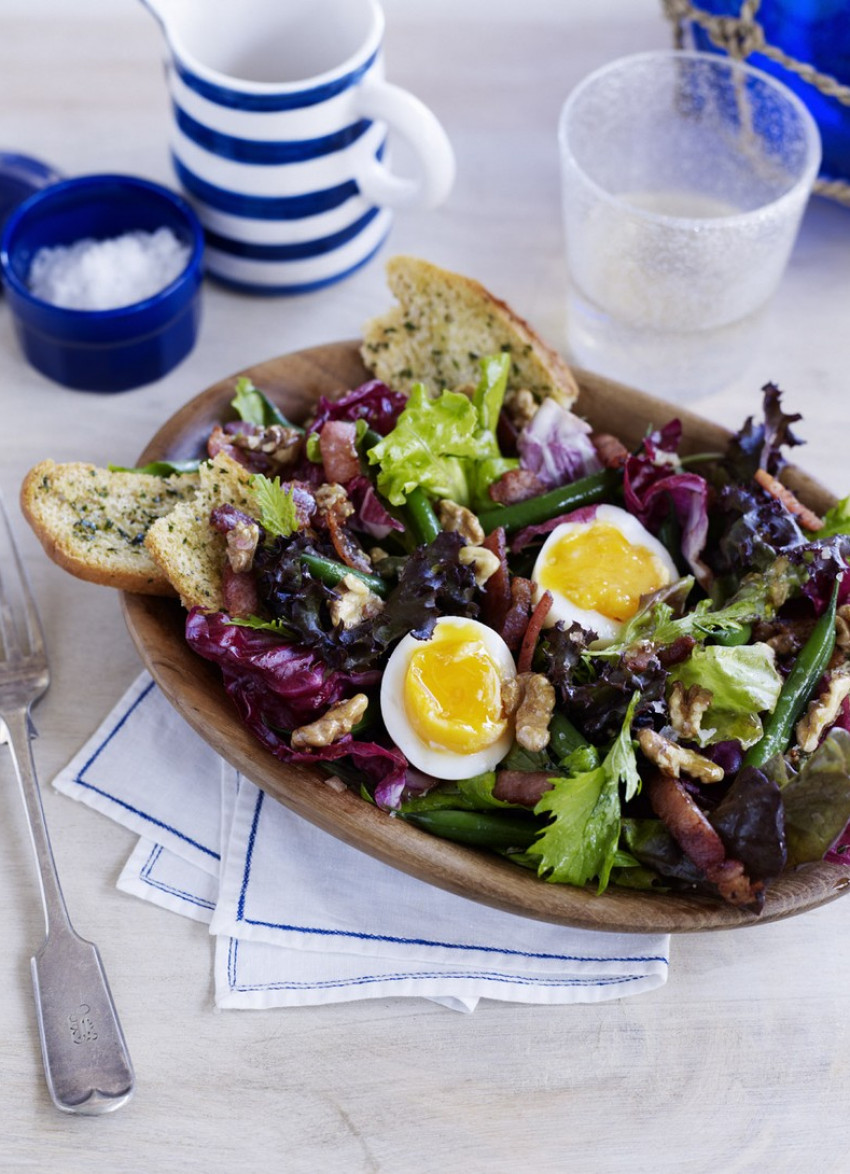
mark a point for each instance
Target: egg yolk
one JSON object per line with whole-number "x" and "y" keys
{"x": 598, "y": 569}
{"x": 453, "y": 695}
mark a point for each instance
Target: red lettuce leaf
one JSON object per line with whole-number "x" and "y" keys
{"x": 373, "y": 402}
{"x": 655, "y": 490}
{"x": 276, "y": 687}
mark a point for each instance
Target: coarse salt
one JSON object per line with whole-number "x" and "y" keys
{"x": 106, "y": 274}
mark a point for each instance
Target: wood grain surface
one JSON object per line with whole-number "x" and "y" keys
{"x": 193, "y": 687}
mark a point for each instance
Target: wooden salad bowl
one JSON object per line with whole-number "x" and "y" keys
{"x": 193, "y": 686}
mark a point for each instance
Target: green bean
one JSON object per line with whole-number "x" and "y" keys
{"x": 330, "y": 572}
{"x": 499, "y": 831}
{"x": 422, "y": 516}
{"x": 590, "y": 490}
{"x": 564, "y": 738}
{"x": 807, "y": 671}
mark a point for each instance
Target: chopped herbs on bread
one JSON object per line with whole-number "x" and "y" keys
{"x": 441, "y": 328}
{"x": 93, "y": 521}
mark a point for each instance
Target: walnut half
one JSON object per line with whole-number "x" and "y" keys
{"x": 338, "y": 721}
{"x": 454, "y": 517}
{"x": 822, "y": 711}
{"x": 530, "y": 697}
{"x": 675, "y": 760}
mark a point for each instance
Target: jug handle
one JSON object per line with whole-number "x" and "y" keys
{"x": 424, "y": 134}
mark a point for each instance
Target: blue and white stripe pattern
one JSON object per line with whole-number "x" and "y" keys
{"x": 273, "y": 176}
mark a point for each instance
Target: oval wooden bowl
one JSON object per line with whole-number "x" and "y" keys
{"x": 193, "y": 687}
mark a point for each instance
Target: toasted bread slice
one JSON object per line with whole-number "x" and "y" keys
{"x": 188, "y": 551}
{"x": 93, "y": 521}
{"x": 443, "y": 324}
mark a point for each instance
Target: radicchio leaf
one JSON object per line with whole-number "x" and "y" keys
{"x": 277, "y": 687}
{"x": 370, "y": 515}
{"x": 373, "y": 402}
{"x": 655, "y": 487}
{"x": 555, "y": 445}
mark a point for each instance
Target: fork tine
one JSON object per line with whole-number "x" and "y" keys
{"x": 19, "y": 639}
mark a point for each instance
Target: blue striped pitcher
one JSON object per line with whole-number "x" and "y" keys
{"x": 279, "y": 136}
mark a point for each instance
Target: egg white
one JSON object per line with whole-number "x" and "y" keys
{"x": 440, "y": 761}
{"x": 635, "y": 533}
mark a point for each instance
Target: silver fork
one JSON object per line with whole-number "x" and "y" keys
{"x": 86, "y": 1061}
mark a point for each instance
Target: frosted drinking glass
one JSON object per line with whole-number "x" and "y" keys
{"x": 684, "y": 179}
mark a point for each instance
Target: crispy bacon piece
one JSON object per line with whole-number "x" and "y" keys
{"x": 688, "y": 825}
{"x": 221, "y": 441}
{"x": 518, "y": 613}
{"x": 497, "y": 590}
{"x": 522, "y": 786}
{"x": 339, "y": 451}
{"x": 334, "y": 509}
{"x": 675, "y": 653}
{"x": 611, "y": 452}
{"x": 529, "y": 640}
{"x": 793, "y": 505}
{"x": 516, "y": 485}
{"x": 345, "y": 544}
{"x": 240, "y": 592}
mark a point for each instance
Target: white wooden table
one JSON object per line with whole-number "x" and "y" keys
{"x": 742, "y": 1061}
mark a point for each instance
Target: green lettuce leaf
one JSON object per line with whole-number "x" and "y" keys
{"x": 426, "y": 446}
{"x": 160, "y": 468}
{"x": 581, "y": 841}
{"x": 817, "y": 800}
{"x": 743, "y": 682}
{"x": 658, "y": 623}
{"x": 489, "y": 463}
{"x": 254, "y": 407}
{"x": 447, "y": 445}
{"x": 836, "y": 520}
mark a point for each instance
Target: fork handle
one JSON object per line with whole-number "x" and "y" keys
{"x": 17, "y": 723}
{"x": 86, "y": 1062}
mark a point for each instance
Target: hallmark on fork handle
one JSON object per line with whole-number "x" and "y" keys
{"x": 81, "y": 1025}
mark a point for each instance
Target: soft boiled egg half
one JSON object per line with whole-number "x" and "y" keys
{"x": 598, "y": 566}
{"x": 441, "y": 699}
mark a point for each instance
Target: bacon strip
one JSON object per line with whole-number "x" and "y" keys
{"x": 516, "y": 618}
{"x": 338, "y": 446}
{"x": 345, "y": 544}
{"x": 611, "y": 452}
{"x": 497, "y": 590}
{"x": 688, "y": 825}
{"x": 522, "y": 786}
{"x": 793, "y": 505}
{"x": 239, "y": 590}
{"x": 516, "y": 485}
{"x": 532, "y": 632}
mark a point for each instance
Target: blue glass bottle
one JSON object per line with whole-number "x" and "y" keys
{"x": 816, "y": 32}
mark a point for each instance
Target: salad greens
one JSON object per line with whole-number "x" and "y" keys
{"x": 580, "y": 842}
{"x": 349, "y": 565}
{"x": 278, "y": 512}
{"x": 446, "y": 446}
{"x": 743, "y": 682}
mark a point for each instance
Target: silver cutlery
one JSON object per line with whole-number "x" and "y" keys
{"x": 86, "y": 1061}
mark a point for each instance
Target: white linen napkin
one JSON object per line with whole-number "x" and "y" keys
{"x": 302, "y": 918}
